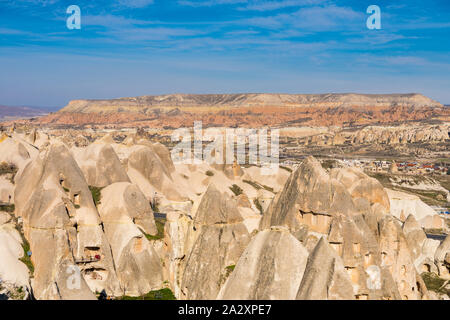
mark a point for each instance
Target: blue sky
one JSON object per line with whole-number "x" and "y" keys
{"x": 139, "y": 47}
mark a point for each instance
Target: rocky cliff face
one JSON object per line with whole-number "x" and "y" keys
{"x": 180, "y": 110}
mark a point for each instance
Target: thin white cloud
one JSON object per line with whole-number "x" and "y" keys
{"x": 35, "y": 2}
{"x": 136, "y": 3}
{"x": 112, "y": 21}
{"x": 266, "y": 5}
{"x": 209, "y": 3}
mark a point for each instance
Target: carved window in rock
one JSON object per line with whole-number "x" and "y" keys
{"x": 384, "y": 257}
{"x": 337, "y": 246}
{"x": 76, "y": 199}
{"x": 62, "y": 182}
{"x": 92, "y": 254}
{"x": 352, "y": 273}
{"x": 368, "y": 259}
{"x": 95, "y": 274}
{"x": 356, "y": 248}
{"x": 403, "y": 270}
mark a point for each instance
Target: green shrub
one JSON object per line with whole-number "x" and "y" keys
{"x": 160, "y": 224}
{"x": 209, "y": 173}
{"x": 96, "y": 194}
{"x": 253, "y": 184}
{"x": 258, "y": 206}
{"x": 163, "y": 294}
{"x": 434, "y": 283}
{"x": 6, "y": 168}
{"x": 328, "y": 164}
{"x": 26, "y": 259}
{"x": 231, "y": 268}
{"x": 236, "y": 189}
{"x": 7, "y": 208}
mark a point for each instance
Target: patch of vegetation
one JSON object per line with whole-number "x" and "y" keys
{"x": 209, "y": 173}
{"x": 160, "y": 224}
{"x": 224, "y": 276}
{"x": 66, "y": 190}
{"x": 286, "y": 168}
{"x": 328, "y": 164}
{"x": 253, "y": 184}
{"x": 236, "y": 189}
{"x": 270, "y": 189}
{"x": 434, "y": 283}
{"x": 258, "y": 186}
{"x": 15, "y": 293}
{"x": 8, "y": 168}
{"x": 77, "y": 206}
{"x": 430, "y": 197}
{"x": 231, "y": 268}
{"x": 258, "y": 206}
{"x": 26, "y": 259}
{"x": 96, "y": 194}
{"x": 163, "y": 294}
{"x": 7, "y": 208}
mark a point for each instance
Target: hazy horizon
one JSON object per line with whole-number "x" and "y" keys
{"x": 56, "y": 108}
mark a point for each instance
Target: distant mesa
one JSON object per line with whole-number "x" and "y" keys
{"x": 250, "y": 110}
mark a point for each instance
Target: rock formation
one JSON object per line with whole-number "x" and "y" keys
{"x": 442, "y": 258}
{"x": 64, "y": 229}
{"x": 126, "y": 216}
{"x": 361, "y": 244}
{"x": 221, "y": 238}
{"x": 310, "y": 197}
{"x": 152, "y": 173}
{"x": 270, "y": 268}
{"x": 100, "y": 165}
{"x": 325, "y": 277}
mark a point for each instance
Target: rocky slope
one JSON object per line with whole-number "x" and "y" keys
{"x": 123, "y": 219}
{"x": 178, "y": 110}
